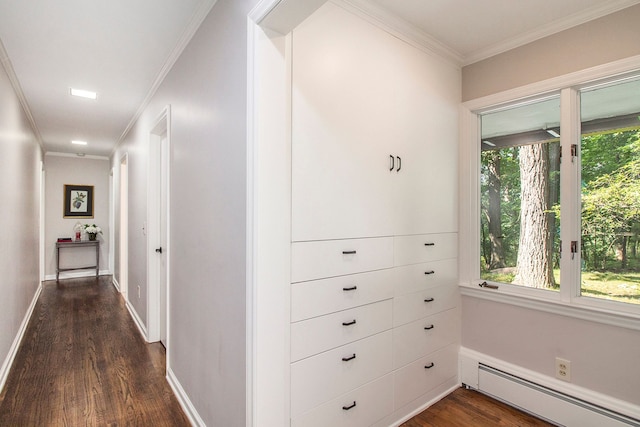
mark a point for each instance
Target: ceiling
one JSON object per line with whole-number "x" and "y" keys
{"x": 122, "y": 49}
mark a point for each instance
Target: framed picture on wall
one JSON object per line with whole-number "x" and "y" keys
{"x": 78, "y": 201}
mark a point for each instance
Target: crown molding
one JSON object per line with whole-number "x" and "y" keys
{"x": 74, "y": 155}
{"x": 197, "y": 19}
{"x": 550, "y": 28}
{"x": 402, "y": 29}
{"x": 17, "y": 88}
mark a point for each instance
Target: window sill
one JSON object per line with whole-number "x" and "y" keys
{"x": 577, "y": 310}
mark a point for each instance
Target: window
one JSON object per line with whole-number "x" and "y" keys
{"x": 520, "y": 171}
{"x": 573, "y": 154}
{"x": 610, "y": 192}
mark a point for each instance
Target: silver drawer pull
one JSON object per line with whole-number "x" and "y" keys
{"x": 426, "y": 328}
{"x": 429, "y": 300}
{"x": 353, "y": 405}
{"x": 348, "y": 252}
{"x": 429, "y": 366}
{"x": 353, "y": 322}
{"x": 346, "y": 359}
{"x": 352, "y": 288}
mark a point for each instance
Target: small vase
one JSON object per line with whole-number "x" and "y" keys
{"x": 92, "y": 236}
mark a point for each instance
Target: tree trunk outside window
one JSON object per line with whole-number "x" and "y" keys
{"x": 534, "y": 267}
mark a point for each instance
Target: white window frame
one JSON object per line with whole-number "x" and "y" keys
{"x": 568, "y": 301}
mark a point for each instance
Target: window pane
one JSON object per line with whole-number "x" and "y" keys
{"x": 520, "y": 182}
{"x": 610, "y": 153}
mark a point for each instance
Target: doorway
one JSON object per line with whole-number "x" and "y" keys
{"x": 158, "y": 229}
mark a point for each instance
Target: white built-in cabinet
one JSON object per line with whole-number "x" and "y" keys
{"x": 374, "y": 301}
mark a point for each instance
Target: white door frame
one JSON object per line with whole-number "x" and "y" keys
{"x": 161, "y": 130}
{"x": 269, "y": 207}
{"x": 123, "y": 265}
{"x": 112, "y": 221}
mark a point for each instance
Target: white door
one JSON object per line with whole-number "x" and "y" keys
{"x": 163, "y": 238}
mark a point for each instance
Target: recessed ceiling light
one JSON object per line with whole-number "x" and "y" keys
{"x": 83, "y": 93}
{"x": 79, "y": 142}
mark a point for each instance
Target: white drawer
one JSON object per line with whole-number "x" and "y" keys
{"x": 410, "y": 307}
{"x": 419, "y": 377}
{"x": 418, "y": 277}
{"x": 330, "y": 258}
{"x": 323, "y": 377}
{"x": 373, "y": 401}
{"x": 318, "y": 297}
{"x": 424, "y": 248}
{"x": 417, "y": 339}
{"x": 312, "y": 336}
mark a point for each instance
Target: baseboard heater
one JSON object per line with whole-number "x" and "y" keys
{"x": 550, "y": 405}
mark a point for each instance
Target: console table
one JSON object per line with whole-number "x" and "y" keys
{"x": 76, "y": 244}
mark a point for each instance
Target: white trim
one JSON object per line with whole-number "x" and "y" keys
{"x": 197, "y": 20}
{"x": 75, "y": 156}
{"x": 553, "y": 27}
{"x": 137, "y": 320}
{"x": 115, "y": 283}
{"x": 401, "y": 29}
{"x": 468, "y": 356}
{"x": 13, "y": 350}
{"x": 77, "y": 274}
{"x": 183, "y": 398}
{"x": 530, "y": 301}
{"x": 257, "y": 14}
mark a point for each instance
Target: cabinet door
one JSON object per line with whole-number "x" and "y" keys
{"x": 426, "y": 191}
{"x": 344, "y": 127}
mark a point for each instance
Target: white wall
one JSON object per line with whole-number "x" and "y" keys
{"x": 61, "y": 170}
{"x": 207, "y": 92}
{"x": 610, "y": 38}
{"x": 20, "y": 157}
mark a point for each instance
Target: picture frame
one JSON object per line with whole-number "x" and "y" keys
{"x": 78, "y": 201}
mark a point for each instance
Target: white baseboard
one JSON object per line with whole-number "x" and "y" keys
{"x": 469, "y": 370}
{"x": 115, "y": 283}
{"x": 138, "y": 321}
{"x": 13, "y": 350}
{"x": 76, "y": 274}
{"x": 184, "y": 400}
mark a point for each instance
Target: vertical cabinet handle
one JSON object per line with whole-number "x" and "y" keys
{"x": 393, "y": 163}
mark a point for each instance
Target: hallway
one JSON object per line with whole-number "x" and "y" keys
{"x": 83, "y": 362}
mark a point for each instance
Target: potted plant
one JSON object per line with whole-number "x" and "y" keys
{"x": 92, "y": 231}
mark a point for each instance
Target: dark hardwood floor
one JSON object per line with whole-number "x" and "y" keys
{"x": 83, "y": 362}
{"x": 469, "y": 408}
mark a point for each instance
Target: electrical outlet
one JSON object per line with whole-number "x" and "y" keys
{"x": 563, "y": 369}
{"x": 138, "y": 291}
